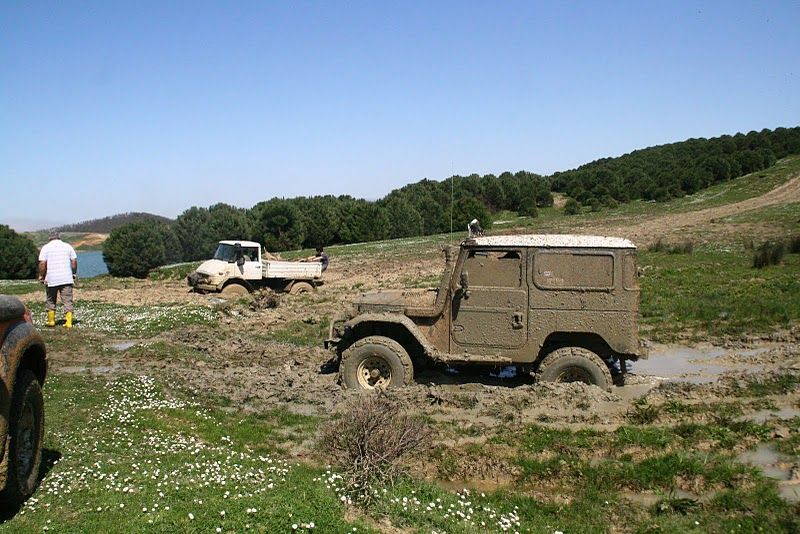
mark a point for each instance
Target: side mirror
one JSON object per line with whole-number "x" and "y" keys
{"x": 465, "y": 284}
{"x": 240, "y": 261}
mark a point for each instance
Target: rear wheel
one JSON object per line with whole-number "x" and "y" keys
{"x": 575, "y": 364}
{"x": 301, "y": 287}
{"x": 26, "y": 428}
{"x": 376, "y": 362}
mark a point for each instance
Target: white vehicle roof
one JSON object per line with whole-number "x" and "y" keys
{"x": 552, "y": 240}
{"x": 243, "y": 243}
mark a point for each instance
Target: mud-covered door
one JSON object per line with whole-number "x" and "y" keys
{"x": 492, "y": 312}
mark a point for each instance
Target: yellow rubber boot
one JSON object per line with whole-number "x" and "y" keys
{"x": 51, "y": 317}
{"x": 68, "y": 323}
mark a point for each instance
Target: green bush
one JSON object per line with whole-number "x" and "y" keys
{"x": 527, "y": 207}
{"x": 572, "y": 207}
{"x": 18, "y": 255}
{"x": 686, "y": 247}
{"x": 794, "y": 245}
{"x": 768, "y": 253}
{"x": 134, "y": 249}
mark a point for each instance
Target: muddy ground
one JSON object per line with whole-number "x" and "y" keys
{"x": 237, "y": 361}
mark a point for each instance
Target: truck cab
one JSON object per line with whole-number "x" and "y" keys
{"x": 565, "y": 307}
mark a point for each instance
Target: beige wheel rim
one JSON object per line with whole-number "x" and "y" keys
{"x": 374, "y": 372}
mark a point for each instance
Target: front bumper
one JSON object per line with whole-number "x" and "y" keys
{"x": 201, "y": 282}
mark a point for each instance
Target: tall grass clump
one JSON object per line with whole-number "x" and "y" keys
{"x": 686, "y": 247}
{"x": 794, "y": 244}
{"x": 368, "y": 442}
{"x": 769, "y": 253}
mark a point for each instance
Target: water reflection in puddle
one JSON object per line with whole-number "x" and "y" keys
{"x": 125, "y": 345}
{"x": 763, "y": 416}
{"x": 773, "y": 465}
{"x": 681, "y": 364}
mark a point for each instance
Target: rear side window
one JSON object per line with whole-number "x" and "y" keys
{"x": 494, "y": 268}
{"x": 573, "y": 270}
{"x": 630, "y": 276}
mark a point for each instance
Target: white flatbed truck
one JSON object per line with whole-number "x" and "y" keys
{"x": 240, "y": 267}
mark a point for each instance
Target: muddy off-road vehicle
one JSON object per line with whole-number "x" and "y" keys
{"x": 565, "y": 307}
{"x": 238, "y": 268}
{"x": 24, "y": 366}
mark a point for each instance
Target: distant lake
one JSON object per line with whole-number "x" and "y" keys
{"x": 91, "y": 264}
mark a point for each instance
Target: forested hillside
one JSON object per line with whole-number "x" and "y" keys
{"x": 668, "y": 171}
{"x": 106, "y": 224}
{"x": 430, "y": 206}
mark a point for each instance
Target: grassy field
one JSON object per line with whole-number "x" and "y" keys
{"x": 716, "y": 294}
{"x": 132, "y": 451}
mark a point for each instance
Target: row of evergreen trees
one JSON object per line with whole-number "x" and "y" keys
{"x": 428, "y": 206}
{"x": 669, "y": 171}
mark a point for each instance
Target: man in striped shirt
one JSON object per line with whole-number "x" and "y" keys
{"x": 58, "y": 265}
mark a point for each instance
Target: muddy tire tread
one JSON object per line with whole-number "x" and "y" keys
{"x": 16, "y": 490}
{"x": 235, "y": 290}
{"x": 300, "y": 287}
{"x": 391, "y": 344}
{"x": 558, "y": 355}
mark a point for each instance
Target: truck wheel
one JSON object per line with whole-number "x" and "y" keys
{"x": 575, "y": 364}
{"x": 376, "y": 362}
{"x": 235, "y": 291}
{"x": 301, "y": 287}
{"x": 26, "y": 428}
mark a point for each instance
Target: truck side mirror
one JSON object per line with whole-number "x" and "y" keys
{"x": 240, "y": 260}
{"x": 465, "y": 284}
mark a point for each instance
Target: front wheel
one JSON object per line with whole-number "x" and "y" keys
{"x": 376, "y": 362}
{"x": 26, "y": 429}
{"x": 235, "y": 291}
{"x": 575, "y": 364}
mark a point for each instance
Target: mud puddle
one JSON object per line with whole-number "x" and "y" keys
{"x": 762, "y": 416}
{"x": 691, "y": 365}
{"x": 91, "y": 370}
{"x": 123, "y": 345}
{"x": 774, "y": 465}
{"x": 651, "y": 499}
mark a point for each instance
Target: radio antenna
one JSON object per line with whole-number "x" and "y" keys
{"x": 452, "y": 196}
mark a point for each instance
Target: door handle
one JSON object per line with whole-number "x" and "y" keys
{"x": 516, "y": 320}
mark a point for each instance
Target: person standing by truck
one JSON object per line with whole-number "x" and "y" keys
{"x": 58, "y": 267}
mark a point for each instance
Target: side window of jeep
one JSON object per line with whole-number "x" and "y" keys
{"x": 573, "y": 270}
{"x": 494, "y": 268}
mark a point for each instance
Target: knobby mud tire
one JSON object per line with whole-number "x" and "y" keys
{"x": 377, "y": 351}
{"x": 575, "y": 364}
{"x": 235, "y": 291}
{"x": 25, "y": 434}
{"x": 301, "y": 287}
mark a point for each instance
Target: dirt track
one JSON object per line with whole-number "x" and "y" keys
{"x": 682, "y": 223}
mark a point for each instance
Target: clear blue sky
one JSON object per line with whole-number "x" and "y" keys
{"x": 108, "y": 107}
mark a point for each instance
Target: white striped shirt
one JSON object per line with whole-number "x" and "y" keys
{"x": 58, "y": 256}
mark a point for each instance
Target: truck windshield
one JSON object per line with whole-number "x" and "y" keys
{"x": 225, "y": 252}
